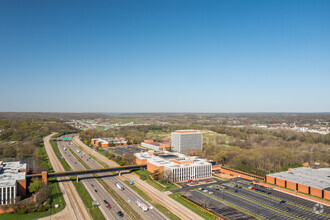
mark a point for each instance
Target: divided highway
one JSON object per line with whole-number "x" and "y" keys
{"x": 95, "y": 189}
{"x": 73, "y": 201}
{"x": 127, "y": 194}
{"x": 159, "y": 197}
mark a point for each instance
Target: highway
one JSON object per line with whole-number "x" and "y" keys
{"x": 127, "y": 194}
{"x": 159, "y": 197}
{"x": 75, "y": 205}
{"x": 95, "y": 189}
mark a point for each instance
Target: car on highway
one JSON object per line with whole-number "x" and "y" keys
{"x": 107, "y": 204}
{"x": 95, "y": 190}
{"x": 120, "y": 214}
{"x": 92, "y": 185}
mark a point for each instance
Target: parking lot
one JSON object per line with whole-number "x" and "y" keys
{"x": 257, "y": 200}
{"x": 120, "y": 150}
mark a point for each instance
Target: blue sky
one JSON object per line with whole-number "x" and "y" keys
{"x": 165, "y": 56}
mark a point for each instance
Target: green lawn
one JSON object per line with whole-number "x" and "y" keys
{"x": 156, "y": 184}
{"x": 87, "y": 199}
{"x": 161, "y": 208}
{"x": 95, "y": 212}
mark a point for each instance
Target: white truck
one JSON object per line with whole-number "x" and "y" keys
{"x": 143, "y": 206}
{"x": 64, "y": 148}
{"x": 119, "y": 186}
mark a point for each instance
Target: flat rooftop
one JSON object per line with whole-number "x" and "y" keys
{"x": 187, "y": 131}
{"x": 317, "y": 178}
{"x": 167, "y": 158}
{"x": 10, "y": 173}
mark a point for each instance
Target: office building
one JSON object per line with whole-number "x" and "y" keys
{"x": 175, "y": 166}
{"x": 150, "y": 144}
{"x": 185, "y": 141}
{"x": 108, "y": 142}
{"x": 12, "y": 181}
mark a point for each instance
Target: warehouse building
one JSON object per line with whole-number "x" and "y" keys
{"x": 184, "y": 141}
{"x": 175, "y": 166}
{"x": 307, "y": 180}
{"x": 12, "y": 181}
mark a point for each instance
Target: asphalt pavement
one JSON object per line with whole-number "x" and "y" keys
{"x": 127, "y": 194}
{"x": 95, "y": 189}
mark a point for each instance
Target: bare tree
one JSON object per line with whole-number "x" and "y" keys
{"x": 168, "y": 175}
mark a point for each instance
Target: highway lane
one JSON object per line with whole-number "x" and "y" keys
{"x": 75, "y": 205}
{"x": 159, "y": 197}
{"x": 127, "y": 194}
{"x": 95, "y": 189}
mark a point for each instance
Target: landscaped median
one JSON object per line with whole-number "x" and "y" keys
{"x": 95, "y": 212}
{"x": 192, "y": 206}
{"x": 158, "y": 206}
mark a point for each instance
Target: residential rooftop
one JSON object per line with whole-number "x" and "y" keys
{"x": 317, "y": 178}
{"x": 10, "y": 173}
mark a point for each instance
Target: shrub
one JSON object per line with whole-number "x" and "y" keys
{"x": 41, "y": 209}
{"x": 143, "y": 177}
{"x": 22, "y": 211}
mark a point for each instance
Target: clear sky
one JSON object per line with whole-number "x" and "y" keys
{"x": 165, "y": 56}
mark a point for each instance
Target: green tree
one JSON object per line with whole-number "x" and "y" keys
{"x": 35, "y": 185}
{"x": 156, "y": 174}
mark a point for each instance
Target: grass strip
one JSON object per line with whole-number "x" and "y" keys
{"x": 65, "y": 164}
{"x": 234, "y": 206}
{"x": 158, "y": 206}
{"x": 193, "y": 207}
{"x": 95, "y": 212}
{"x": 122, "y": 203}
{"x": 157, "y": 184}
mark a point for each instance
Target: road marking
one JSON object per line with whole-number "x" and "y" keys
{"x": 60, "y": 168}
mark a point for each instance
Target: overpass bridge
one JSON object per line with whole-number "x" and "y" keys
{"x": 44, "y": 175}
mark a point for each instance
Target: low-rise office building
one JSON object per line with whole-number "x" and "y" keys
{"x": 152, "y": 145}
{"x": 175, "y": 166}
{"x": 311, "y": 181}
{"x": 108, "y": 142}
{"x": 184, "y": 141}
{"x": 12, "y": 181}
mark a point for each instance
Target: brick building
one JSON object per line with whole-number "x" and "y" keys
{"x": 108, "y": 142}
{"x": 307, "y": 180}
{"x": 175, "y": 166}
{"x": 164, "y": 146}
